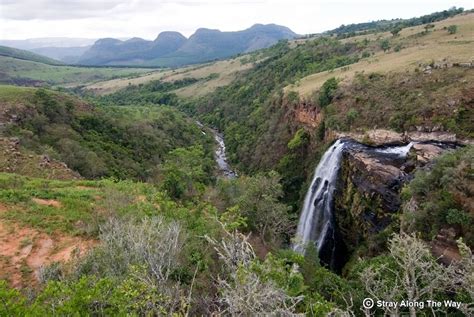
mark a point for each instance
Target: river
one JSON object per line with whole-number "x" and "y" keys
{"x": 220, "y": 153}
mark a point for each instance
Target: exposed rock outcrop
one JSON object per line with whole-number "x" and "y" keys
{"x": 14, "y": 160}
{"x": 369, "y": 191}
{"x": 378, "y": 137}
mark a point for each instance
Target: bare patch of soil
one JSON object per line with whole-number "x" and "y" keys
{"x": 47, "y": 202}
{"x": 23, "y": 251}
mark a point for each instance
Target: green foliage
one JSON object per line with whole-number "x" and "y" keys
{"x": 385, "y": 45}
{"x": 293, "y": 97}
{"x": 300, "y": 140}
{"x": 443, "y": 196}
{"x": 185, "y": 172}
{"x": 12, "y": 302}
{"x": 349, "y": 30}
{"x": 249, "y": 111}
{"x": 253, "y": 203}
{"x": 327, "y": 92}
{"x": 401, "y": 101}
{"x": 452, "y": 29}
{"x": 27, "y": 72}
{"x": 155, "y": 92}
{"x": 396, "y": 30}
{"x": 26, "y": 55}
{"x": 351, "y": 116}
{"x": 233, "y": 220}
{"x": 124, "y": 142}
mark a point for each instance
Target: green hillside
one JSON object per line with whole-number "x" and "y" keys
{"x": 120, "y": 142}
{"x": 28, "y": 73}
{"x": 26, "y": 55}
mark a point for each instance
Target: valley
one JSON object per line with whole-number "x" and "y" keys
{"x": 299, "y": 177}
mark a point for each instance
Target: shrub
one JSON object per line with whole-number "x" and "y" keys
{"x": 327, "y": 92}
{"x": 452, "y": 29}
{"x": 385, "y": 45}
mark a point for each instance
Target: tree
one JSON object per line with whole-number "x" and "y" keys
{"x": 327, "y": 92}
{"x": 385, "y": 45}
{"x": 396, "y": 30}
{"x": 258, "y": 202}
{"x": 452, "y": 29}
{"x": 185, "y": 172}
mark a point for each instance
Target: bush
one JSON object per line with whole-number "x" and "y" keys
{"x": 327, "y": 92}
{"x": 385, "y": 45}
{"x": 452, "y": 29}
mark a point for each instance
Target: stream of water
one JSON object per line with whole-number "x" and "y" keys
{"x": 220, "y": 153}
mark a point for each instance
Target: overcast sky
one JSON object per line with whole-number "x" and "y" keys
{"x": 21, "y": 19}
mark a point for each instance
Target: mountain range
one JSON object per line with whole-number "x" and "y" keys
{"x": 169, "y": 49}
{"x": 173, "y": 49}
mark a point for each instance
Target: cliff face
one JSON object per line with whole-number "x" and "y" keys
{"x": 368, "y": 197}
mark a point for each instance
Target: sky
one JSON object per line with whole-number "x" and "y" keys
{"x": 22, "y": 19}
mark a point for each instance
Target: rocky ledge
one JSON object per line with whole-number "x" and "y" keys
{"x": 379, "y": 137}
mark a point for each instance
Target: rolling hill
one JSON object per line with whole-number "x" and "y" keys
{"x": 26, "y": 55}
{"x": 173, "y": 49}
{"x": 36, "y": 73}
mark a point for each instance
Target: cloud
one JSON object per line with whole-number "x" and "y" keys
{"x": 147, "y": 18}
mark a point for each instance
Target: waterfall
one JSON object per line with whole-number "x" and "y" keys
{"x": 317, "y": 224}
{"x": 316, "y": 218}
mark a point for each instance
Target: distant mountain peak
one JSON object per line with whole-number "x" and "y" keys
{"x": 173, "y": 49}
{"x": 170, "y": 35}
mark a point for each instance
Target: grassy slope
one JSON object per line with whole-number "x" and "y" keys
{"x": 404, "y": 100}
{"x": 81, "y": 204}
{"x": 226, "y": 70}
{"x": 69, "y": 76}
{"x": 26, "y": 55}
{"x": 42, "y": 221}
{"x": 435, "y": 46}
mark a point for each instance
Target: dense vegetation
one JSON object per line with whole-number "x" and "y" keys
{"x": 121, "y": 142}
{"x": 154, "y": 92}
{"x": 158, "y": 257}
{"x": 248, "y": 111}
{"x": 389, "y": 25}
{"x": 442, "y": 197}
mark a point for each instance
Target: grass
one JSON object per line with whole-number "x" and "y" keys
{"x": 226, "y": 71}
{"x": 68, "y": 76}
{"x": 10, "y": 93}
{"x": 85, "y": 204}
{"x": 26, "y": 55}
{"x": 434, "y": 46}
{"x": 80, "y": 203}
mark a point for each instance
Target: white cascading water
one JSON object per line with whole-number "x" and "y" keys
{"x": 316, "y": 223}
{"x": 316, "y": 217}
{"x": 401, "y": 151}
